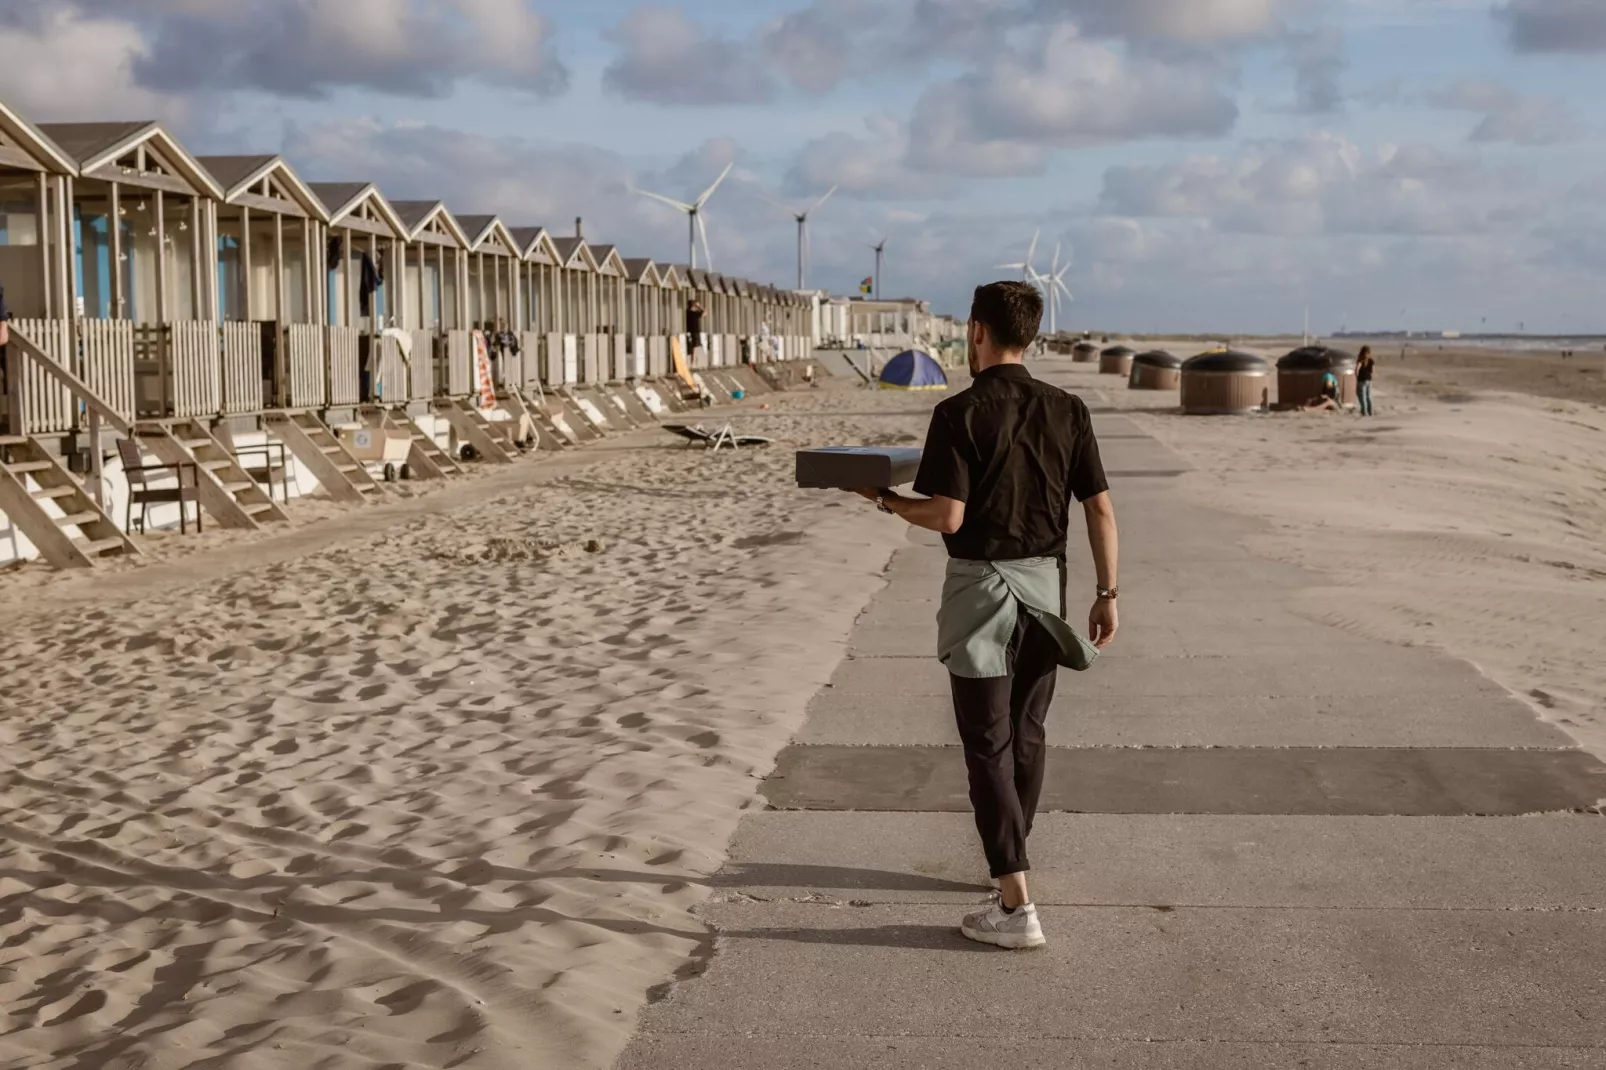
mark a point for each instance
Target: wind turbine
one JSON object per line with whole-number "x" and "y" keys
{"x": 880, "y": 248}
{"x": 694, "y": 215}
{"x": 1053, "y": 285}
{"x": 803, "y": 250}
{"x": 1028, "y": 272}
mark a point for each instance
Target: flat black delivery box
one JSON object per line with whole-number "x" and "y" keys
{"x": 856, "y": 467}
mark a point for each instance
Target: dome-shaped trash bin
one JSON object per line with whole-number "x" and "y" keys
{"x": 1225, "y": 382}
{"x": 1155, "y": 370}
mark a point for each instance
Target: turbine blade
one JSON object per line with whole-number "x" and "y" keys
{"x": 702, "y": 230}
{"x": 827, "y": 197}
{"x": 659, "y": 197}
{"x": 709, "y": 192}
{"x": 1032, "y": 252}
{"x": 788, "y": 209}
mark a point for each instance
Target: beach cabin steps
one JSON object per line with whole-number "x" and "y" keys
{"x": 546, "y": 436}
{"x": 425, "y": 458}
{"x": 225, "y": 489}
{"x": 471, "y": 426}
{"x": 593, "y": 418}
{"x": 321, "y": 452}
{"x": 23, "y": 460}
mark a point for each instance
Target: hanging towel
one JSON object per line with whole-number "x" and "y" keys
{"x": 372, "y": 280}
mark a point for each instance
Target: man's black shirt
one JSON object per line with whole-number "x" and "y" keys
{"x": 1016, "y": 451}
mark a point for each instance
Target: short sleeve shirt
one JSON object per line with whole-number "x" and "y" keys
{"x": 1017, "y": 452}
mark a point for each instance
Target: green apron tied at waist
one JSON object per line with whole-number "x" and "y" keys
{"x": 980, "y": 607}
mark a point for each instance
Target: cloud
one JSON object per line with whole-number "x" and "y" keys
{"x": 1554, "y": 25}
{"x": 873, "y": 166}
{"x": 665, "y": 58}
{"x": 62, "y": 64}
{"x": 1506, "y": 115}
{"x": 1192, "y": 22}
{"x": 1319, "y": 61}
{"x": 1319, "y": 184}
{"x": 1063, "y": 91}
{"x": 311, "y": 48}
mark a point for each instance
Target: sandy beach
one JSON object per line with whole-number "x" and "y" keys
{"x": 428, "y": 785}
{"x": 1464, "y": 516}
{"x": 440, "y": 784}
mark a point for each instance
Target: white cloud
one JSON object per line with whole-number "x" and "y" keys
{"x": 65, "y": 65}
{"x": 1063, "y": 92}
{"x": 875, "y": 165}
{"x": 1319, "y": 184}
{"x": 1506, "y": 115}
{"x": 665, "y": 58}
{"x": 1193, "y": 22}
{"x": 1318, "y": 58}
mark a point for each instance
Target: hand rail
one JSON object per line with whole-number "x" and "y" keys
{"x": 78, "y": 388}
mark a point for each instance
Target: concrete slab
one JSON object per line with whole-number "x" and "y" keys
{"x": 710, "y": 1051}
{"x": 1428, "y": 782}
{"x": 1406, "y": 977}
{"x": 1387, "y": 671}
{"x": 1079, "y": 720}
{"x": 1552, "y": 862}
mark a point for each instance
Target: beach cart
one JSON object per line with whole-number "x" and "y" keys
{"x": 382, "y": 450}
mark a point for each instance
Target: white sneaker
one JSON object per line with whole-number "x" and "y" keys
{"x": 1014, "y": 930}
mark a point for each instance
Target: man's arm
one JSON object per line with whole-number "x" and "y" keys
{"x": 939, "y": 514}
{"x": 1102, "y": 538}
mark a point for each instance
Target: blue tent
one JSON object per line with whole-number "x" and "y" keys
{"x": 913, "y": 370}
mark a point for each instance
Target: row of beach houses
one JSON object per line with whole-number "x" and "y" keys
{"x": 185, "y": 310}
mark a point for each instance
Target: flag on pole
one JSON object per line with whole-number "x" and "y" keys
{"x": 868, "y": 285}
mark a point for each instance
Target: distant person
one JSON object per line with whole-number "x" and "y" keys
{"x": 694, "y": 326}
{"x": 1003, "y": 462}
{"x": 1328, "y": 399}
{"x": 1363, "y": 380}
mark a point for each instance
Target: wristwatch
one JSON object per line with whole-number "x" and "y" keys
{"x": 881, "y": 502}
{"x": 1109, "y": 594}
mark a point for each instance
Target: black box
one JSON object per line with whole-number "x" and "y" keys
{"x": 856, "y": 467}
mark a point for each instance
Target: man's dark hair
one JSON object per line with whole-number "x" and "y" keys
{"x": 1012, "y": 312}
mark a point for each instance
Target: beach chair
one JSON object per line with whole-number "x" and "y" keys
{"x": 267, "y": 463}
{"x": 142, "y": 492}
{"x": 715, "y": 440}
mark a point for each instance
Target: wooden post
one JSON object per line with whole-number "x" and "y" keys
{"x": 161, "y": 257}
{"x": 278, "y": 268}
{"x": 306, "y": 269}
{"x": 374, "y": 326}
{"x": 197, "y": 281}
{"x": 119, "y": 300}
{"x": 423, "y": 305}
{"x": 248, "y": 305}
{"x": 42, "y": 228}
{"x": 346, "y": 315}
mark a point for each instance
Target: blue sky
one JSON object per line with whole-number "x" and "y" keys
{"x": 1205, "y": 165}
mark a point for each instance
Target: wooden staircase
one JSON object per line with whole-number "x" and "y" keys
{"x": 471, "y": 426}
{"x": 227, "y": 491}
{"x": 591, "y": 416}
{"x": 24, "y": 459}
{"x": 425, "y": 459}
{"x": 319, "y": 449}
{"x": 546, "y": 435}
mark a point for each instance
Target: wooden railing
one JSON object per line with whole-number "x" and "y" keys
{"x": 39, "y": 403}
{"x": 303, "y": 362}
{"x": 594, "y": 366}
{"x": 241, "y": 361}
{"x": 177, "y": 370}
{"x": 658, "y": 356}
{"x": 621, "y": 358}
{"x": 393, "y": 375}
{"x": 638, "y": 357}
{"x": 423, "y": 377}
{"x": 534, "y": 358}
{"x": 29, "y": 363}
{"x": 107, "y": 349}
{"x": 507, "y": 367}
{"x": 344, "y": 356}
{"x": 459, "y": 363}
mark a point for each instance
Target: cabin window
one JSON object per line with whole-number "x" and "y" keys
{"x": 19, "y": 222}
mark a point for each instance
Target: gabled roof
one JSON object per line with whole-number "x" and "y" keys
{"x": 481, "y": 229}
{"x": 34, "y": 144}
{"x": 94, "y": 145}
{"x": 416, "y": 216}
{"x": 644, "y": 272}
{"x": 575, "y": 254}
{"x": 609, "y": 262}
{"x": 238, "y": 174}
{"x": 696, "y": 278}
{"x": 535, "y": 244}
{"x": 670, "y": 277}
{"x": 341, "y": 199}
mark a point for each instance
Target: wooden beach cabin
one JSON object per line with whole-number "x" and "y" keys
{"x": 672, "y": 295}
{"x": 270, "y": 247}
{"x": 62, "y": 382}
{"x": 613, "y": 340}
{"x": 576, "y": 311}
{"x": 364, "y": 243}
{"x": 643, "y": 310}
{"x": 494, "y": 287}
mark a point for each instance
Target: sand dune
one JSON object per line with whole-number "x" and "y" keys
{"x": 436, "y": 795}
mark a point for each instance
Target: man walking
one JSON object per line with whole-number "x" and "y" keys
{"x": 1003, "y": 462}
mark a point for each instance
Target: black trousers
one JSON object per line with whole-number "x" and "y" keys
{"x": 1002, "y": 724}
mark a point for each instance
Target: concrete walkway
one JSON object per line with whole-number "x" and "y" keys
{"x": 1270, "y": 844}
